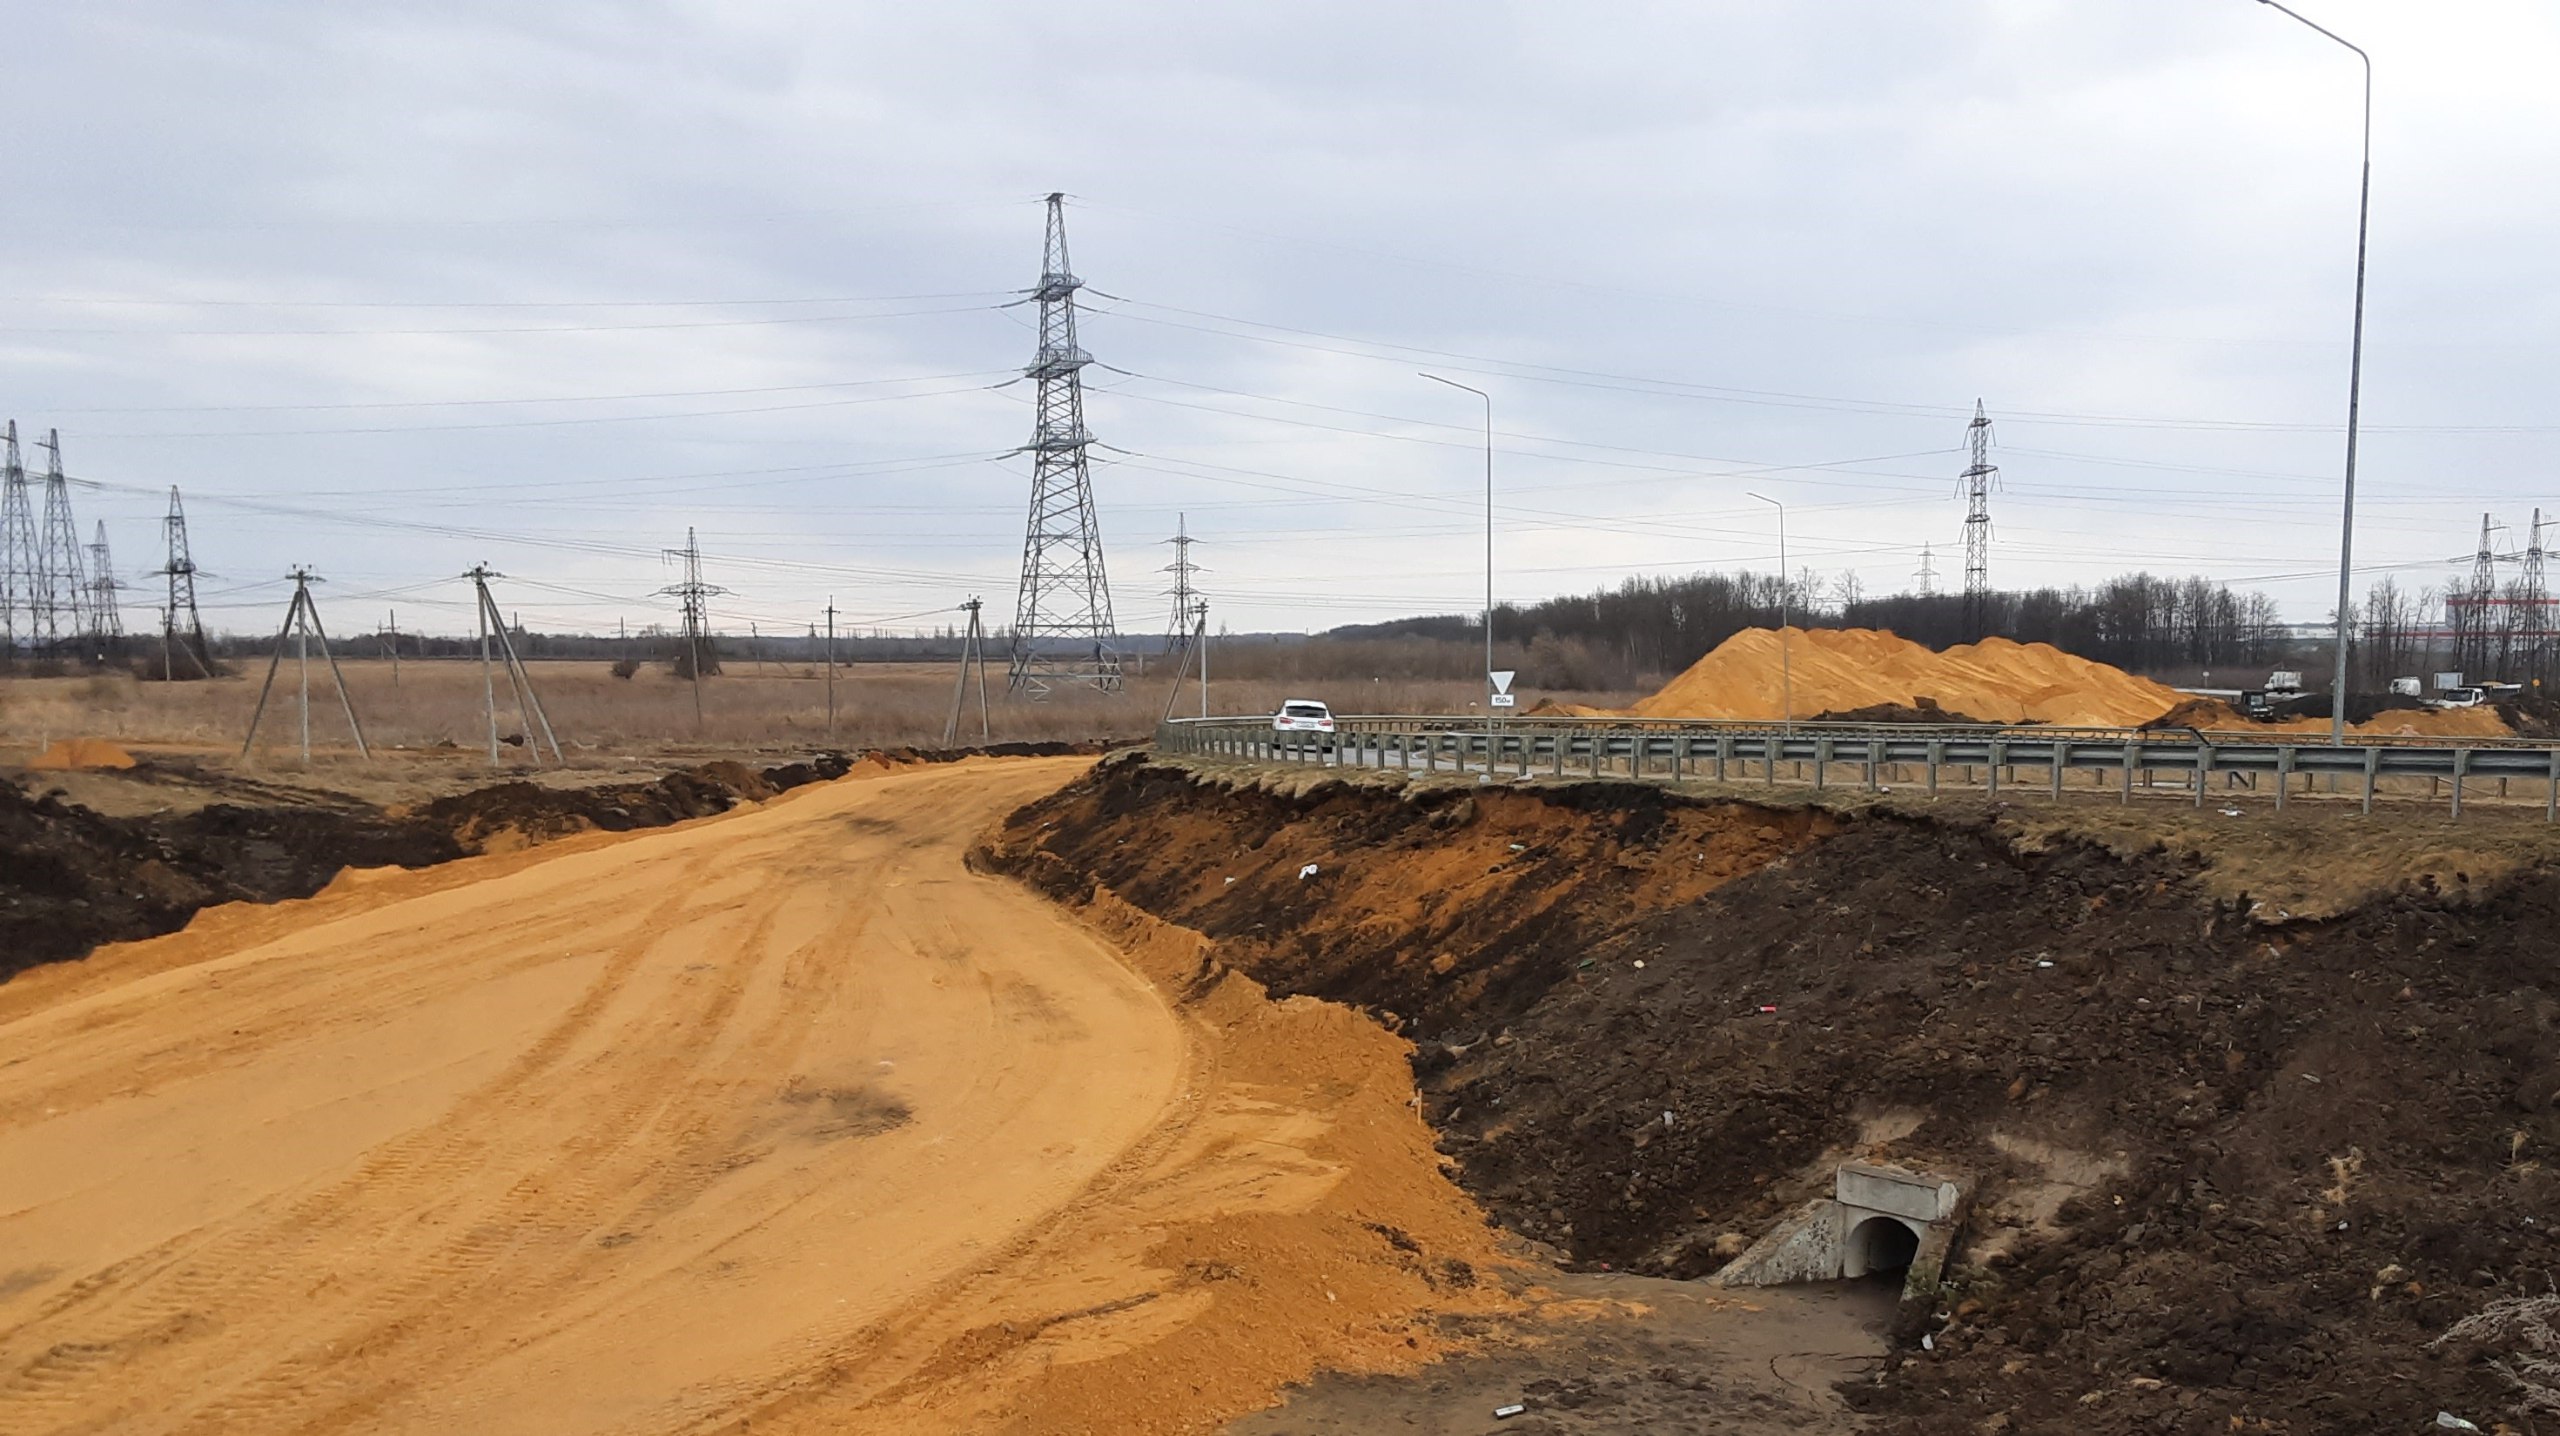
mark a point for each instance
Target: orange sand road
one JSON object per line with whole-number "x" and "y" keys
{"x": 783, "y": 1118}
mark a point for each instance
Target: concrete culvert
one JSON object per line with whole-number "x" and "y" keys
{"x": 1877, "y": 1246}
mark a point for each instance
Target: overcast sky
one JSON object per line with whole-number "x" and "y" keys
{"x": 392, "y": 289}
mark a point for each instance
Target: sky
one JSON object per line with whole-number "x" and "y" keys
{"x": 391, "y": 290}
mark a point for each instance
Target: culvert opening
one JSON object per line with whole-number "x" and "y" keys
{"x": 1879, "y": 1246}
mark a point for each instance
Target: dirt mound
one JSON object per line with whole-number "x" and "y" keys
{"x": 1749, "y": 675}
{"x": 1923, "y": 710}
{"x": 2212, "y": 715}
{"x": 70, "y": 753}
{"x": 2233, "y": 1177}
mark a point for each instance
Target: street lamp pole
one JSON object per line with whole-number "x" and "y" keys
{"x": 1488, "y": 541}
{"x": 2355, "y": 386}
{"x": 1786, "y": 666}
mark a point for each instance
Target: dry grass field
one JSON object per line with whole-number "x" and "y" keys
{"x": 437, "y": 706}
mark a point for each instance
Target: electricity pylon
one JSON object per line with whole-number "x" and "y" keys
{"x": 696, "y": 659}
{"x": 62, "y": 582}
{"x": 1062, "y": 628}
{"x": 106, "y": 615}
{"x": 1177, "y": 629}
{"x": 1979, "y": 478}
{"x": 20, "y": 566}
{"x": 181, "y": 627}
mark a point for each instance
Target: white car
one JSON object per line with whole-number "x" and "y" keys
{"x": 1303, "y": 715}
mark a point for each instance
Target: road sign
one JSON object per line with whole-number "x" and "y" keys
{"x": 1502, "y": 682}
{"x": 1506, "y": 700}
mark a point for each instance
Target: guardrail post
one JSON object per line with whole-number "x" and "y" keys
{"x": 2284, "y": 774}
{"x": 1872, "y": 747}
{"x": 2204, "y": 765}
{"x": 2551, "y": 804}
{"x": 2373, "y": 770}
{"x": 1991, "y": 771}
{"x": 1937, "y": 755}
{"x": 1769, "y": 756}
{"x": 2057, "y": 752}
{"x": 1599, "y": 740}
{"x": 1821, "y": 763}
{"x": 2132, "y": 759}
{"x": 2461, "y": 762}
{"x": 1724, "y": 755}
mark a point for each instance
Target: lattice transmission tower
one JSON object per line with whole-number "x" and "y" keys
{"x": 1177, "y": 631}
{"x": 1928, "y": 574}
{"x": 696, "y": 657}
{"x": 1979, "y": 478}
{"x": 106, "y": 611}
{"x": 64, "y": 581}
{"x": 21, "y": 566}
{"x": 181, "y": 627}
{"x": 1062, "y": 628}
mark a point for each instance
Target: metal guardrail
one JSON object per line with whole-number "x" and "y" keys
{"x": 1673, "y": 750}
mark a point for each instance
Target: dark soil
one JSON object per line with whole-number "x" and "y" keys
{"x": 2232, "y": 1177}
{"x": 71, "y": 879}
{"x": 1926, "y": 710}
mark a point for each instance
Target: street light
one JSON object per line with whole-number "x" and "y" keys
{"x": 1488, "y": 544}
{"x": 2355, "y": 383}
{"x": 1786, "y": 673}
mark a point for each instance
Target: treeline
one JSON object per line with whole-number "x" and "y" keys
{"x": 1644, "y": 629}
{"x": 2503, "y": 635}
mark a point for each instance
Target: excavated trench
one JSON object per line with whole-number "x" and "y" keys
{"x": 2224, "y": 1175}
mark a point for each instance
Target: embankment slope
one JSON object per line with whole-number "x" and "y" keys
{"x": 2237, "y": 1174}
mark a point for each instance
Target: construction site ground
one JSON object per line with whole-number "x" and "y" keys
{"x": 2259, "y": 1106}
{"x": 1029, "y": 1095}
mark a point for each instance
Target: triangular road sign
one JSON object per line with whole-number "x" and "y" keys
{"x": 1502, "y": 679}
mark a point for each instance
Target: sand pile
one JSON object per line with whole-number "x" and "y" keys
{"x": 1839, "y": 670}
{"x": 83, "y": 753}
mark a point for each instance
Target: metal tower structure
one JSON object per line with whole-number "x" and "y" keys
{"x": 64, "y": 585}
{"x": 1928, "y": 574}
{"x": 1979, "y": 478}
{"x": 21, "y": 567}
{"x": 1062, "y": 628}
{"x": 2469, "y": 610}
{"x": 1177, "y": 630}
{"x": 181, "y": 627}
{"x": 2531, "y": 618}
{"x": 106, "y": 617}
{"x": 696, "y": 658}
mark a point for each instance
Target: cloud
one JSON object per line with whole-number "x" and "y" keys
{"x": 1684, "y": 245}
